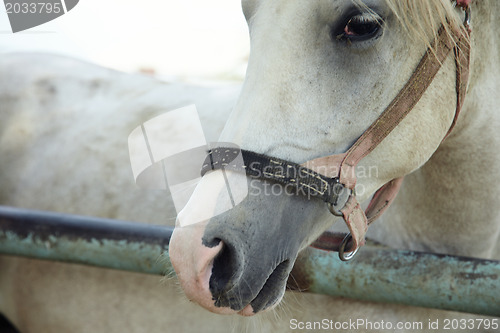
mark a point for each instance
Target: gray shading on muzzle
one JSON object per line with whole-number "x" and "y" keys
{"x": 261, "y": 238}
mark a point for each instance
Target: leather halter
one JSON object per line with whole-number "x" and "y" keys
{"x": 333, "y": 178}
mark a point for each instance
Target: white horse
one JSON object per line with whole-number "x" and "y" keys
{"x": 320, "y": 73}
{"x": 63, "y": 147}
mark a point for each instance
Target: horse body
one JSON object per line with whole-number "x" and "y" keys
{"x": 302, "y": 99}
{"x": 53, "y": 109}
{"x": 64, "y": 135}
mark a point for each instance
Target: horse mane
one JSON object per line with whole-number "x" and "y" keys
{"x": 422, "y": 19}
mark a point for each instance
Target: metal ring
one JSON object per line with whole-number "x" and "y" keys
{"x": 333, "y": 211}
{"x": 467, "y": 12}
{"x": 467, "y": 18}
{"x": 342, "y": 255}
{"x": 342, "y": 194}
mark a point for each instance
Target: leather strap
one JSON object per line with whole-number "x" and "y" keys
{"x": 462, "y": 62}
{"x": 296, "y": 177}
{"x": 382, "y": 199}
{"x": 464, "y": 3}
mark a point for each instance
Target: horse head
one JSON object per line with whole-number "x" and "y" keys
{"x": 319, "y": 74}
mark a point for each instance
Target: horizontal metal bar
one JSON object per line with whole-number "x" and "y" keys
{"x": 93, "y": 241}
{"x": 403, "y": 277}
{"x": 376, "y": 274}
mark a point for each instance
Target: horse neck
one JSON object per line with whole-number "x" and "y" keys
{"x": 450, "y": 204}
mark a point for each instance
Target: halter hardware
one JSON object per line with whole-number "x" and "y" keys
{"x": 342, "y": 196}
{"x": 346, "y": 256}
{"x": 465, "y": 6}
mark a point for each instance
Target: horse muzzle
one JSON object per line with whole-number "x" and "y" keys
{"x": 235, "y": 263}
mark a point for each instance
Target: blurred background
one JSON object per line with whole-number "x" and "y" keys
{"x": 188, "y": 40}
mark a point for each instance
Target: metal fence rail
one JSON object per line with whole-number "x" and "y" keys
{"x": 93, "y": 241}
{"x": 377, "y": 274}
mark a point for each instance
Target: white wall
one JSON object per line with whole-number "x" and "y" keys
{"x": 176, "y": 38}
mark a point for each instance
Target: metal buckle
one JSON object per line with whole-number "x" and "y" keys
{"x": 467, "y": 18}
{"x": 349, "y": 255}
{"x": 342, "y": 195}
{"x": 467, "y": 12}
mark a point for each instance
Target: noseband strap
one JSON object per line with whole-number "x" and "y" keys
{"x": 296, "y": 178}
{"x": 333, "y": 178}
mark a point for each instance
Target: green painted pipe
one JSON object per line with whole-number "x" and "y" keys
{"x": 376, "y": 274}
{"x": 386, "y": 275}
{"x": 86, "y": 240}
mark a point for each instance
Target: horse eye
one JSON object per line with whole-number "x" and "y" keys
{"x": 361, "y": 27}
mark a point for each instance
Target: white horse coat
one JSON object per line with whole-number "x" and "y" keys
{"x": 63, "y": 148}
{"x": 319, "y": 74}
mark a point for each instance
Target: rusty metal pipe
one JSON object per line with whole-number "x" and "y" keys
{"x": 377, "y": 274}
{"x": 93, "y": 241}
{"x": 381, "y": 274}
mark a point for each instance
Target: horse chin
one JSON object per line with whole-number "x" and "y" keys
{"x": 248, "y": 311}
{"x": 268, "y": 297}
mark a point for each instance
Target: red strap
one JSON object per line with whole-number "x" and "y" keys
{"x": 356, "y": 221}
{"x": 463, "y": 3}
{"x": 382, "y": 199}
{"x": 462, "y": 61}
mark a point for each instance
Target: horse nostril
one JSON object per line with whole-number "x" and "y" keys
{"x": 212, "y": 243}
{"x": 223, "y": 269}
{"x": 224, "y": 276}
